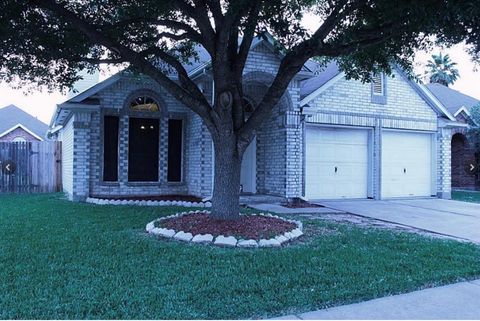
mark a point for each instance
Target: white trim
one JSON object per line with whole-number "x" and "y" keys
{"x": 464, "y": 109}
{"x": 443, "y": 123}
{"x": 55, "y": 129}
{"x": 320, "y": 90}
{"x": 22, "y": 127}
{"x": 435, "y": 101}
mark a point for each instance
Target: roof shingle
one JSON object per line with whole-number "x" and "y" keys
{"x": 452, "y": 99}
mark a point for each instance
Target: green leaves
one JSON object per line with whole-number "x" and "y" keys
{"x": 442, "y": 70}
{"x": 42, "y": 46}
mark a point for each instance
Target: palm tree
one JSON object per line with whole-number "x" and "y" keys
{"x": 442, "y": 70}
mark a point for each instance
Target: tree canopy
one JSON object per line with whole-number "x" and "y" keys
{"x": 442, "y": 70}
{"x": 46, "y": 42}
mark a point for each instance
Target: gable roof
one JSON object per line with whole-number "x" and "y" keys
{"x": 452, "y": 99}
{"x": 324, "y": 75}
{"x": 12, "y": 117}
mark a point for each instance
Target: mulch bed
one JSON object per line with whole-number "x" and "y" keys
{"x": 185, "y": 198}
{"x": 299, "y": 203}
{"x": 247, "y": 227}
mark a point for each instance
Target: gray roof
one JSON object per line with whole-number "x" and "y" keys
{"x": 11, "y": 116}
{"x": 322, "y": 76}
{"x": 452, "y": 99}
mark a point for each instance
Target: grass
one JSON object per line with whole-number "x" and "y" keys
{"x": 466, "y": 196}
{"x": 62, "y": 260}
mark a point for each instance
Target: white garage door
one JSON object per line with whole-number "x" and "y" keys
{"x": 336, "y": 163}
{"x": 406, "y": 164}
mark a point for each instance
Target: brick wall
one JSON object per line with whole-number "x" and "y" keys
{"x": 444, "y": 162}
{"x": 462, "y": 156}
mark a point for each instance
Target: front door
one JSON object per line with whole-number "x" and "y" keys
{"x": 248, "y": 177}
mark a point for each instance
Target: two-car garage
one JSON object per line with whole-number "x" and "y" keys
{"x": 339, "y": 163}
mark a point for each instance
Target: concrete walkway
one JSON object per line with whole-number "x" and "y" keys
{"x": 456, "y": 301}
{"x": 453, "y": 218}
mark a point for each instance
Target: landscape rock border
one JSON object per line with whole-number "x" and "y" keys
{"x": 225, "y": 241}
{"x": 103, "y": 201}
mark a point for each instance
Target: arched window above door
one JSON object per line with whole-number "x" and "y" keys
{"x": 144, "y": 103}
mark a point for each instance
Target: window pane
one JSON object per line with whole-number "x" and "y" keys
{"x": 144, "y": 103}
{"x": 175, "y": 150}
{"x": 143, "y": 137}
{"x": 110, "y": 148}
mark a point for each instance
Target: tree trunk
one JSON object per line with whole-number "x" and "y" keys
{"x": 226, "y": 187}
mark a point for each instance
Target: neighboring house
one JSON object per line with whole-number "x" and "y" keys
{"x": 328, "y": 137}
{"x": 465, "y": 161}
{"x": 19, "y": 126}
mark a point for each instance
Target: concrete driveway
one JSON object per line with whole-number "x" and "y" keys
{"x": 453, "y": 218}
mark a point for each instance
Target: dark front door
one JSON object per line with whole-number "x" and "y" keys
{"x": 143, "y": 150}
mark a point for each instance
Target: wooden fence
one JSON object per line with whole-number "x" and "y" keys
{"x": 30, "y": 167}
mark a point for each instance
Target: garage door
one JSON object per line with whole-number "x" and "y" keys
{"x": 406, "y": 164}
{"x": 336, "y": 163}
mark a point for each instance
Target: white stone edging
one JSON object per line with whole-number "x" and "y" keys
{"x": 102, "y": 201}
{"x": 221, "y": 240}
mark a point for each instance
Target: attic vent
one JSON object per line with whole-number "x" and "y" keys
{"x": 377, "y": 84}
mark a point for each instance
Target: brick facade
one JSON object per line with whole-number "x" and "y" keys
{"x": 280, "y": 154}
{"x": 463, "y": 154}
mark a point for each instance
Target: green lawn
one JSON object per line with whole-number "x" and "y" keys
{"x": 68, "y": 260}
{"x": 465, "y": 196}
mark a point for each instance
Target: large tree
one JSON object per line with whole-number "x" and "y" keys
{"x": 46, "y": 42}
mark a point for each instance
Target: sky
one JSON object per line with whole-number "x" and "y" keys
{"x": 41, "y": 104}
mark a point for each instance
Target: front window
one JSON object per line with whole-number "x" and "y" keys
{"x": 110, "y": 148}
{"x": 175, "y": 146}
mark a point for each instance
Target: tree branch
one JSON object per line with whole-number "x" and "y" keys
{"x": 185, "y": 81}
{"x": 203, "y": 22}
{"x": 248, "y": 35}
{"x": 202, "y": 108}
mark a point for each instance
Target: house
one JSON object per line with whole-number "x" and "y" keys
{"x": 328, "y": 137}
{"x": 465, "y": 160}
{"x": 19, "y": 126}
